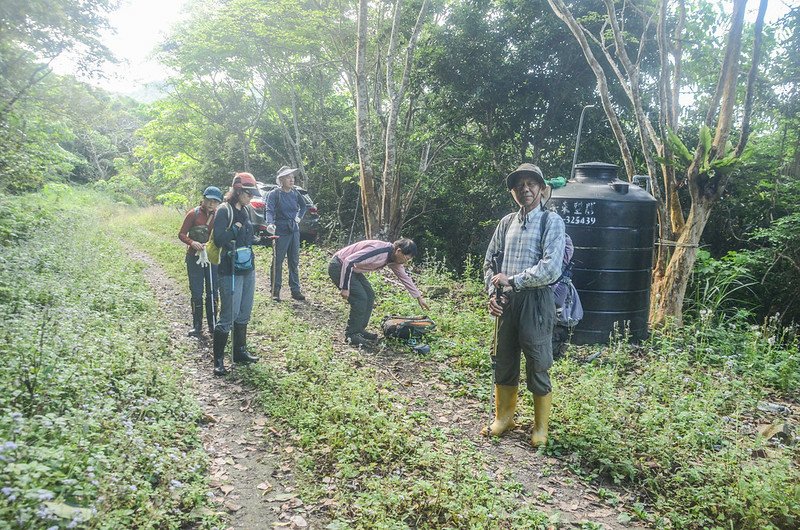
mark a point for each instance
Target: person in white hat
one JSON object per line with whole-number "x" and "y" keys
{"x": 529, "y": 246}
{"x": 285, "y": 208}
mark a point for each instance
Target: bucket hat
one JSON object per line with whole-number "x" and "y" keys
{"x": 284, "y": 171}
{"x": 525, "y": 170}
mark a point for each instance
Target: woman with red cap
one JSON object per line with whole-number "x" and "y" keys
{"x": 234, "y": 235}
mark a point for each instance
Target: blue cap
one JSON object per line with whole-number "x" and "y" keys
{"x": 212, "y": 192}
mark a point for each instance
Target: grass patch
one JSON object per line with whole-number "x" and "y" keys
{"x": 380, "y": 464}
{"x": 97, "y": 430}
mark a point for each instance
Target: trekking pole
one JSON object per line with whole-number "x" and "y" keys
{"x": 213, "y": 305}
{"x": 493, "y": 359}
{"x": 272, "y": 271}
{"x": 233, "y": 294}
{"x": 495, "y": 265}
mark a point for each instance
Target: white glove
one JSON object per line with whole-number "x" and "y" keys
{"x": 297, "y": 219}
{"x": 202, "y": 258}
{"x": 271, "y": 229}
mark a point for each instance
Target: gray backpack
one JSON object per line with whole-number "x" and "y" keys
{"x": 569, "y": 310}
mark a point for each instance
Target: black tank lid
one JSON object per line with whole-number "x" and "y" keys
{"x": 595, "y": 171}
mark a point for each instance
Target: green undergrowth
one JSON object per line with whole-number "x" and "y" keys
{"x": 673, "y": 418}
{"x": 96, "y": 430}
{"x": 380, "y": 464}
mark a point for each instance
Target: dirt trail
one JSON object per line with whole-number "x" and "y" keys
{"x": 548, "y": 483}
{"x": 250, "y": 473}
{"x": 251, "y": 469}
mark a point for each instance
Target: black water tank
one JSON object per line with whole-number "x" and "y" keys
{"x": 612, "y": 224}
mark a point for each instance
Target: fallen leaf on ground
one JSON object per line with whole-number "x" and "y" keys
{"x": 282, "y": 497}
{"x": 299, "y": 521}
{"x": 232, "y": 506}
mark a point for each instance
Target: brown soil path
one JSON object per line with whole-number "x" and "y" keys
{"x": 250, "y": 472}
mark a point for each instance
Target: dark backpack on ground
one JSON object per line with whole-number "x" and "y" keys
{"x": 407, "y": 328}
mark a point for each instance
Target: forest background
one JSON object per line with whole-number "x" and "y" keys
{"x": 454, "y": 95}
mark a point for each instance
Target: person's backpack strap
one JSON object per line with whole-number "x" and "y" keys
{"x": 544, "y": 225}
{"x": 229, "y": 209}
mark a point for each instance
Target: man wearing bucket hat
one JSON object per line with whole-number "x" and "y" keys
{"x": 531, "y": 242}
{"x": 234, "y": 234}
{"x": 202, "y": 274}
{"x": 285, "y": 208}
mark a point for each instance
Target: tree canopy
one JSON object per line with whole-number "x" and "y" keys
{"x": 454, "y": 96}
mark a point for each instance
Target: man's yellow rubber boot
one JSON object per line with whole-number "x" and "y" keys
{"x": 541, "y": 418}
{"x": 505, "y": 406}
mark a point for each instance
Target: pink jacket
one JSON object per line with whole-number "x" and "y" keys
{"x": 371, "y": 255}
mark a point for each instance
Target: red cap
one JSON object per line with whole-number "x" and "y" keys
{"x": 246, "y": 181}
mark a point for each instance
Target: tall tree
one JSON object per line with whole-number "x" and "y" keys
{"x": 33, "y": 33}
{"x": 384, "y": 208}
{"x": 706, "y": 170}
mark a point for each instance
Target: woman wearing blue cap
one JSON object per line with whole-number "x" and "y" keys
{"x": 202, "y": 274}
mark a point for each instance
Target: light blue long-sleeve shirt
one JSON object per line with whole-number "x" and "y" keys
{"x": 532, "y": 253}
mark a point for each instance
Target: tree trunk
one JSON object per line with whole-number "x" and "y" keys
{"x": 369, "y": 201}
{"x": 666, "y": 302}
{"x": 391, "y": 205}
{"x": 668, "y": 294}
{"x": 673, "y": 267}
{"x": 561, "y": 10}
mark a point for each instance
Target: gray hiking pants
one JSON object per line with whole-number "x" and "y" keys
{"x": 286, "y": 246}
{"x": 236, "y": 301}
{"x": 527, "y": 326}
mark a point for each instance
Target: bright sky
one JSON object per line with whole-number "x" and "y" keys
{"x": 140, "y": 26}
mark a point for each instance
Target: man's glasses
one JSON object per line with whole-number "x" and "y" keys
{"x": 522, "y": 185}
